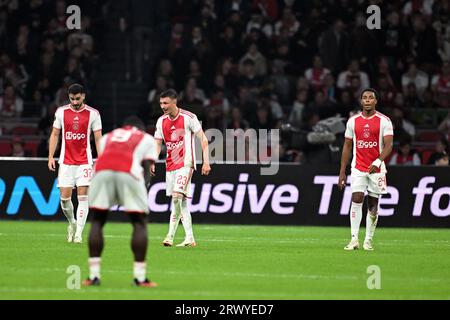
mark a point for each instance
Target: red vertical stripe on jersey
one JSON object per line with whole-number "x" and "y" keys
{"x": 76, "y": 126}
{"x": 174, "y": 133}
{"x": 367, "y": 137}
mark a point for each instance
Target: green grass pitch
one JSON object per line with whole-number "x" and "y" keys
{"x": 230, "y": 262}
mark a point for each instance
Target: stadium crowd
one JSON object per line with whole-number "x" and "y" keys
{"x": 260, "y": 64}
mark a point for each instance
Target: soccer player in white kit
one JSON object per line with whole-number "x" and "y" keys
{"x": 370, "y": 134}
{"x": 76, "y": 121}
{"x": 122, "y": 177}
{"x": 177, "y": 128}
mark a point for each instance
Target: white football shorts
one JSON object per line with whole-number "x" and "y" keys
{"x": 70, "y": 176}
{"x": 109, "y": 188}
{"x": 179, "y": 181}
{"x": 374, "y": 183}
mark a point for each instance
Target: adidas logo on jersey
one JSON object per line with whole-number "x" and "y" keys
{"x": 366, "y": 126}
{"x": 76, "y": 118}
{"x": 172, "y": 128}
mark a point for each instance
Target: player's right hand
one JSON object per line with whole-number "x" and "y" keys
{"x": 51, "y": 165}
{"x": 342, "y": 181}
{"x": 152, "y": 169}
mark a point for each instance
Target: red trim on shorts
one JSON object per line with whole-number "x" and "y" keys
{"x": 134, "y": 212}
{"x": 99, "y": 209}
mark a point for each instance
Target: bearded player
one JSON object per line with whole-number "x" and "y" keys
{"x": 370, "y": 134}
{"x": 177, "y": 128}
{"x": 75, "y": 121}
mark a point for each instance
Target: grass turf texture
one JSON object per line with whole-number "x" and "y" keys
{"x": 230, "y": 262}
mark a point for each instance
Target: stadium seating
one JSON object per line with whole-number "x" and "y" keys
{"x": 5, "y": 148}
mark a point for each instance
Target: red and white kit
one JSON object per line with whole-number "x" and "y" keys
{"x": 119, "y": 175}
{"x": 76, "y": 158}
{"x": 179, "y": 137}
{"x": 367, "y": 135}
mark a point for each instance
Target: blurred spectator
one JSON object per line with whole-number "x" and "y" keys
{"x": 441, "y": 86}
{"x": 416, "y": 76}
{"x": 259, "y": 60}
{"x": 296, "y": 115}
{"x": 329, "y": 88}
{"x": 346, "y": 77}
{"x": 440, "y": 148}
{"x": 142, "y": 19}
{"x": 236, "y": 121}
{"x": 334, "y": 47}
{"x": 10, "y": 104}
{"x": 444, "y": 126}
{"x": 288, "y": 22}
{"x": 412, "y": 99}
{"x": 442, "y": 159}
{"x": 403, "y": 129}
{"x": 405, "y": 155}
{"x": 394, "y": 38}
{"x": 316, "y": 75}
{"x": 280, "y": 81}
{"x": 423, "y": 43}
{"x": 442, "y": 28}
{"x": 17, "y": 147}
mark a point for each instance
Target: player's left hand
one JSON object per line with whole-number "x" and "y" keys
{"x": 206, "y": 169}
{"x": 375, "y": 166}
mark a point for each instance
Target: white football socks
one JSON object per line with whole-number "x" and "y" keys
{"x": 371, "y": 224}
{"x": 139, "y": 270}
{"x": 175, "y": 217}
{"x": 355, "y": 218}
{"x": 94, "y": 267}
{"x": 82, "y": 214}
{"x": 187, "y": 221}
{"x": 67, "y": 209}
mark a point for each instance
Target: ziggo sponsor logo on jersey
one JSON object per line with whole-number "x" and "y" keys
{"x": 75, "y": 136}
{"x": 174, "y": 145}
{"x": 361, "y": 144}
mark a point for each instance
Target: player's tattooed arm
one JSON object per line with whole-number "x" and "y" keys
{"x": 158, "y": 151}
{"x": 146, "y": 164}
{"x": 387, "y": 149}
{"x": 206, "y": 168}
{"x": 346, "y": 152}
{"x": 53, "y": 142}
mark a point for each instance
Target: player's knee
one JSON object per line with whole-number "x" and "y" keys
{"x": 358, "y": 197}
{"x": 99, "y": 216}
{"x": 138, "y": 220}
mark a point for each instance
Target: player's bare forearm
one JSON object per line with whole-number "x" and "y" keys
{"x": 206, "y": 168}
{"x": 53, "y": 141}
{"x": 346, "y": 151}
{"x": 97, "y": 138}
{"x": 387, "y": 149}
{"x": 158, "y": 151}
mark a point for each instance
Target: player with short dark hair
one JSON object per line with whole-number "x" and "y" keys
{"x": 177, "y": 128}
{"x": 75, "y": 121}
{"x": 370, "y": 134}
{"x": 122, "y": 177}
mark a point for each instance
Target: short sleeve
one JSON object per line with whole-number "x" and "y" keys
{"x": 97, "y": 122}
{"x": 150, "y": 148}
{"x": 349, "y": 130}
{"x": 158, "y": 131}
{"x": 195, "y": 125}
{"x": 388, "y": 130}
{"x": 57, "y": 123}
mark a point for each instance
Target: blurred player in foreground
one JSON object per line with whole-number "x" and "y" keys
{"x": 122, "y": 177}
{"x": 177, "y": 128}
{"x": 370, "y": 134}
{"x": 76, "y": 121}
